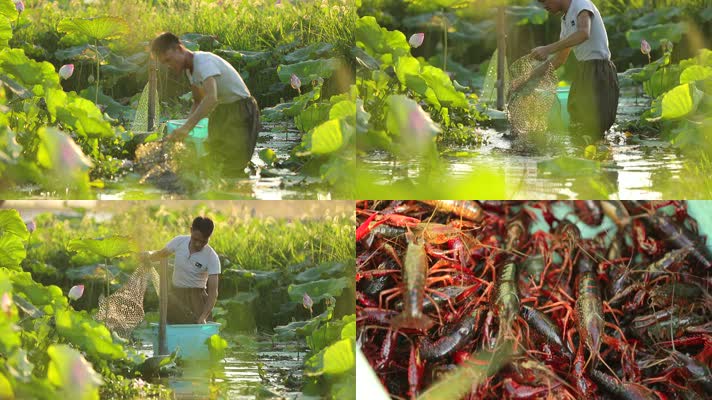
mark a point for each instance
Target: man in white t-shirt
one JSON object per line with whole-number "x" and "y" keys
{"x": 218, "y": 91}
{"x": 196, "y": 270}
{"x": 593, "y": 98}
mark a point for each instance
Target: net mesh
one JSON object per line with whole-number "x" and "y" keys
{"x": 159, "y": 163}
{"x": 140, "y": 123}
{"x": 528, "y": 107}
{"x": 122, "y": 311}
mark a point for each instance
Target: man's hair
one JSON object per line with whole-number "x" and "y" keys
{"x": 204, "y": 225}
{"x": 164, "y": 42}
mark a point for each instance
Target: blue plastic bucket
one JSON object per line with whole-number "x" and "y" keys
{"x": 197, "y": 135}
{"x": 562, "y": 93}
{"x": 559, "y": 115}
{"x": 189, "y": 337}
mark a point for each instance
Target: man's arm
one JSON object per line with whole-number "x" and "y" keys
{"x": 583, "y": 21}
{"x": 212, "y": 297}
{"x": 156, "y": 255}
{"x": 205, "y": 104}
{"x": 197, "y": 97}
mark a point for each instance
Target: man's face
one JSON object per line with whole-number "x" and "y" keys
{"x": 198, "y": 240}
{"x": 173, "y": 58}
{"x": 552, "y": 6}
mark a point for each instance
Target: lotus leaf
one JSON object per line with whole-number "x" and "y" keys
{"x": 96, "y": 29}
{"x": 318, "y": 290}
{"x": 91, "y": 336}
{"x": 336, "y": 359}
{"x": 75, "y": 376}
{"x": 681, "y": 101}
{"x": 12, "y": 251}
{"x": 11, "y": 223}
{"x": 310, "y": 70}
{"x": 654, "y": 34}
{"x": 525, "y": 15}
{"x": 26, "y": 71}
{"x": 380, "y": 42}
{"x": 695, "y": 73}
{"x": 314, "y": 50}
{"x": 109, "y": 247}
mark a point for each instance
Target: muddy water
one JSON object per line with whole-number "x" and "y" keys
{"x": 266, "y": 183}
{"x": 252, "y": 368}
{"x": 549, "y": 166}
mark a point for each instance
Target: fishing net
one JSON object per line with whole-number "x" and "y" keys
{"x": 528, "y": 107}
{"x": 140, "y": 123}
{"x": 122, "y": 311}
{"x": 159, "y": 163}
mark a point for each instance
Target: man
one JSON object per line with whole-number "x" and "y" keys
{"x": 218, "y": 91}
{"x": 197, "y": 267}
{"x": 593, "y": 98}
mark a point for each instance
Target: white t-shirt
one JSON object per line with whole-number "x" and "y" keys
{"x": 192, "y": 270}
{"x": 231, "y": 87}
{"x": 596, "y": 46}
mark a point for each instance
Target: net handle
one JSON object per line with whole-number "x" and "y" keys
{"x": 163, "y": 307}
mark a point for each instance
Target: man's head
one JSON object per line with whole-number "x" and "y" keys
{"x": 169, "y": 51}
{"x": 200, "y": 232}
{"x": 554, "y": 6}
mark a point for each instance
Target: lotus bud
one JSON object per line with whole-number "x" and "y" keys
{"x": 31, "y": 226}
{"x": 645, "y": 47}
{"x": 66, "y": 71}
{"x": 307, "y": 301}
{"x": 19, "y": 6}
{"x": 416, "y": 40}
{"x": 295, "y": 82}
{"x": 76, "y": 292}
{"x": 6, "y": 304}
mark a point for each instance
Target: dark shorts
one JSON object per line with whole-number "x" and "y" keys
{"x": 593, "y": 99}
{"x": 185, "y": 305}
{"x": 232, "y": 135}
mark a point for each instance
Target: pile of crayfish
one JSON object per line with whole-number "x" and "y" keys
{"x": 622, "y": 313}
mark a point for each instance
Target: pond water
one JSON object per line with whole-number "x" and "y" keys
{"x": 549, "y": 166}
{"x": 253, "y": 367}
{"x": 266, "y": 183}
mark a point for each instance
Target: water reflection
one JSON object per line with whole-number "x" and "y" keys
{"x": 550, "y": 166}
{"x": 252, "y": 368}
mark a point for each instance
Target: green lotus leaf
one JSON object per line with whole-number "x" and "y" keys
{"x": 681, "y": 101}
{"x": 318, "y": 290}
{"x": 109, "y": 247}
{"x": 11, "y": 223}
{"x": 96, "y": 29}
{"x": 73, "y": 374}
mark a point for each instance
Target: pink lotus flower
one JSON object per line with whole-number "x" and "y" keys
{"x": 295, "y": 82}
{"x": 307, "y": 301}
{"x": 6, "y": 303}
{"x": 76, "y": 292}
{"x": 416, "y": 40}
{"x": 30, "y": 226}
{"x": 19, "y": 6}
{"x": 645, "y": 47}
{"x": 66, "y": 71}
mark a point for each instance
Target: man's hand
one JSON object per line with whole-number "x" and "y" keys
{"x": 541, "y": 53}
{"x": 145, "y": 257}
{"x": 179, "y": 134}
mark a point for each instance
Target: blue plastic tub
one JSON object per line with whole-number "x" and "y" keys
{"x": 196, "y": 137}
{"x": 190, "y": 338}
{"x": 559, "y": 115}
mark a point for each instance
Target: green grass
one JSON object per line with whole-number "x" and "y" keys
{"x": 240, "y": 24}
{"x": 247, "y": 242}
